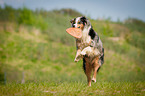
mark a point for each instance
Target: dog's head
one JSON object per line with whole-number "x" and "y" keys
{"x": 80, "y": 22}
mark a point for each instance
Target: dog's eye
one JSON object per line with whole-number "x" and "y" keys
{"x": 79, "y": 22}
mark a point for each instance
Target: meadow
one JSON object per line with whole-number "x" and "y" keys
{"x": 74, "y": 89}
{"x": 37, "y": 55}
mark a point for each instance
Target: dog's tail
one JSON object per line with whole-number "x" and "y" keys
{"x": 84, "y": 65}
{"x": 102, "y": 57}
{"x": 101, "y": 60}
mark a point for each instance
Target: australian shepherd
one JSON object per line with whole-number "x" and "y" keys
{"x": 89, "y": 48}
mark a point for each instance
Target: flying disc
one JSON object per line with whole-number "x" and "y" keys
{"x": 75, "y": 32}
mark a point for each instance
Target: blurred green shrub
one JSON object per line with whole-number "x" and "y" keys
{"x": 7, "y": 14}
{"x": 26, "y": 17}
{"x": 135, "y": 24}
{"x": 107, "y": 31}
{"x": 136, "y": 37}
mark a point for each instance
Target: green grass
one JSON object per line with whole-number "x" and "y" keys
{"x": 74, "y": 89}
{"x": 41, "y": 59}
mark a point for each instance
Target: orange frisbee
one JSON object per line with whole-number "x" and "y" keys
{"x": 75, "y": 32}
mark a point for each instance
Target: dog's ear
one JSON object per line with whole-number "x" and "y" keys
{"x": 71, "y": 21}
{"x": 84, "y": 20}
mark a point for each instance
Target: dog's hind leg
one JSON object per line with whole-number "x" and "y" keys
{"x": 95, "y": 68}
{"x": 88, "y": 70}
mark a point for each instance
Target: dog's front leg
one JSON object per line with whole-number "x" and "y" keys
{"x": 86, "y": 50}
{"x": 78, "y": 55}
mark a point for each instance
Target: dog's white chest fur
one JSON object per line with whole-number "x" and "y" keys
{"x": 84, "y": 45}
{"x": 85, "y": 37}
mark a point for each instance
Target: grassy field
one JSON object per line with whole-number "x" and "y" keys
{"x": 74, "y": 89}
{"x": 37, "y": 55}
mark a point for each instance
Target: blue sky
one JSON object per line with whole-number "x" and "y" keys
{"x": 116, "y": 9}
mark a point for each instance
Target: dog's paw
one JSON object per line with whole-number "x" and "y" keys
{"x": 76, "y": 60}
{"x": 93, "y": 79}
